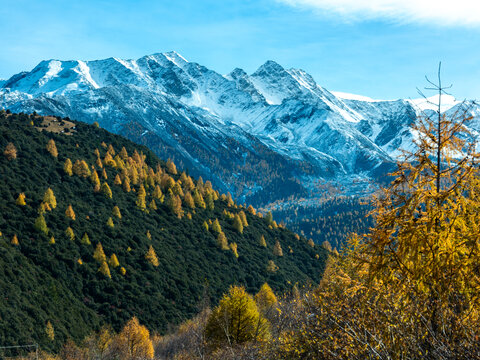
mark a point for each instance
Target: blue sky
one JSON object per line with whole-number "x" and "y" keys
{"x": 378, "y": 48}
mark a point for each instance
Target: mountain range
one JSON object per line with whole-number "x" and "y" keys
{"x": 268, "y": 136}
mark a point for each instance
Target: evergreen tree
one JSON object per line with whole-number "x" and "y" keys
{"x": 21, "y": 200}
{"x": 70, "y": 213}
{"x": 52, "y": 148}
{"x": 67, "y": 167}
{"x": 151, "y": 256}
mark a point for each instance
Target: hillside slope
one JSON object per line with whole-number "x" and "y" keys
{"x": 53, "y": 276}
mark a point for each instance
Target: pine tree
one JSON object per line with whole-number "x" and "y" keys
{"x": 277, "y": 249}
{"x": 67, "y": 167}
{"x": 151, "y": 256}
{"x": 262, "y": 241}
{"x": 10, "y": 152}
{"x": 105, "y": 270}
{"x": 15, "y": 240}
{"x": 116, "y": 212}
{"x": 70, "y": 234}
{"x": 21, "y": 200}
{"x": 99, "y": 254}
{"x": 113, "y": 262}
{"x": 110, "y": 223}
{"x": 237, "y": 224}
{"x": 222, "y": 241}
{"x": 52, "y": 148}
{"x": 41, "y": 225}
{"x": 49, "y": 199}
{"x": 86, "y": 239}
{"x": 70, "y": 213}
{"x": 106, "y": 190}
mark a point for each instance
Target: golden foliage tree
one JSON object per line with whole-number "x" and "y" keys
{"x": 134, "y": 341}
{"x": 118, "y": 180}
{"x": 141, "y": 198}
{"x": 216, "y": 226}
{"x": 70, "y": 213}
{"x": 50, "y": 331}
{"x": 222, "y": 241}
{"x": 171, "y": 168}
{"x": 106, "y": 190}
{"x": 52, "y": 148}
{"x": 110, "y": 223}
{"x": 425, "y": 243}
{"x": 271, "y": 266}
{"x": 237, "y": 224}
{"x": 10, "y": 152}
{"x": 188, "y": 200}
{"x": 243, "y": 217}
{"x": 113, "y": 261}
{"x": 104, "y": 269}
{"x": 126, "y": 184}
{"x": 236, "y": 320}
{"x": 85, "y": 239}
{"x": 198, "y": 199}
{"x": 234, "y": 248}
{"x": 116, "y": 212}
{"x": 80, "y": 168}
{"x": 277, "y": 249}
{"x": 15, "y": 240}
{"x": 151, "y": 256}
{"x": 69, "y": 233}
{"x": 265, "y": 298}
{"x": 68, "y": 167}
{"x": 41, "y": 225}
{"x": 49, "y": 199}
{"x": 262, "y": 241}
{"x": 21, "y": 199}
{"x": 99, "y": 254}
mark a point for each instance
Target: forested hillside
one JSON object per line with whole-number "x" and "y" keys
{"x": 96, "y": 229}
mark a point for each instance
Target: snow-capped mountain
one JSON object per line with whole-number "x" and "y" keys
{"x": 263, "y": 136}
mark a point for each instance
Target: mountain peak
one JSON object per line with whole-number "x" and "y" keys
{"x": 270, "y": 67}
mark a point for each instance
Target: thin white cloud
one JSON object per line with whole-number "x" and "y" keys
{"x": 447, "y": 12}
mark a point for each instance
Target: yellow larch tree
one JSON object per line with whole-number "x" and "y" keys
{"x": 237, "y": 224}
{"x": 68, "y": 167}
{"x": 265, "y": 298}
{"x": 277, "y": 249}
{"x": 234, "y": 248}
{"x": 52, "y": 148}
{"x": 49, "y": 199}
{"x": 15, "y": 240}
{"x": 99, "y": 254}
{"x": 116, "y": 212}
{"x": 222, "y": 241}
{"x": 113, "y": 262}
{"x": 50, "y": 331}
{"x": 262, "y": 241}
{"x": 171, "y": 168}
{"x": 10, "y": 152}
{"x": 70, "y": 234}
{"x": 141, "y": 194}
{"x": 110, "y": 223}
{"x": 85, "y": 239}
{"x": 118, "y": 180}
{"x": 105, "y": 270}
{"x": 151, "y": 256}
{"x": 134, "y": 341}
{"x": 41, "y": 225}
{"x": 69, "y": 213}
{"x": 106, "y": 190}
{"x": 21, "y": 199}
